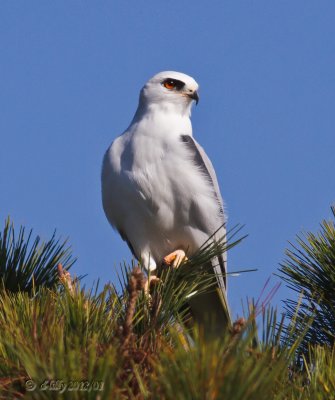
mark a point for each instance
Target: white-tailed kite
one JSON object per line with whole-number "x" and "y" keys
{"x": 159, "y": 188}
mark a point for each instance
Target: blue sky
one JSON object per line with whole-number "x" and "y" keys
{"x": 70, "y": 73}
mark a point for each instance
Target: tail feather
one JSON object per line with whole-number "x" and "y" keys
{"x": 210, "y": 310}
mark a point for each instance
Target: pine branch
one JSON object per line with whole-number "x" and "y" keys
{"x": 310, "y": 270}
{"x": 27, "y": 264}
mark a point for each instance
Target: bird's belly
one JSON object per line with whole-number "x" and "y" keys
{"x": 160, "y": 200}
{"x": 167, "y": 194}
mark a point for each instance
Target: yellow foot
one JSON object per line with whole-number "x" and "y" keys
{"x": 175, "y": 259}
{"x": 152, "y": 280}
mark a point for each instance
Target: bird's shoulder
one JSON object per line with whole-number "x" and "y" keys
{"x": 113, "y": 155}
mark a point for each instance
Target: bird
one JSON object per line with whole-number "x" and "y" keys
{"x": 160, "y": 190}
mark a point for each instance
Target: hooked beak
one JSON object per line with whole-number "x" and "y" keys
{"x": 194, "y": 95}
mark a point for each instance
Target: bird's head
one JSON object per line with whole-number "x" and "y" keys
{"x": 170, "y": 90}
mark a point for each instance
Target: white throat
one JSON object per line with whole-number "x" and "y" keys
{"x": 180, "y": 105}
{"x": 163, "y": 118}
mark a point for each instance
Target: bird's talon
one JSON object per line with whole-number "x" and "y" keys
{"x": 175, "y": 258}
{"x": 152, "y": 280}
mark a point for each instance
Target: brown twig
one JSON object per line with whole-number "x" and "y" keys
{"x": 238, "y": 326}
{"x": 136, "y": 284}
{"x": 131, "y": 351}
{"x": 65, "y": 278}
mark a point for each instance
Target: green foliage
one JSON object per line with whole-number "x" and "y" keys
{"x": 320, "y": 373}
{"x": 26, "y": 265}
{"x": 310, "y": 271}
{"x": 227, "y": 368}
{"x": 56, "y": 336}
{"x": 66, "y": 342}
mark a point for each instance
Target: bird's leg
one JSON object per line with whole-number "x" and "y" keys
{"x": 151, "y": 280}
{"x": 175, "y": 258}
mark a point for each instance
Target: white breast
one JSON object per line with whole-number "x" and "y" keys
{"x": 149, "y": 185}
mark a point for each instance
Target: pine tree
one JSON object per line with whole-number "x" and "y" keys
{"x": 58, "y": 340}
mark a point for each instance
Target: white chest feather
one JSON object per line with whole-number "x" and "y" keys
{"x": 151, "y": 187}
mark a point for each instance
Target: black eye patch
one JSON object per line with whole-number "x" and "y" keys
{"x": 170, "y": 84}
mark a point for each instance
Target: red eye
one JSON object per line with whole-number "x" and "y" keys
{"x": 169, "y": 85}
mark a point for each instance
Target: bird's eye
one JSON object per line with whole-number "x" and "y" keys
{"x": 173, "y": 84}
{"x": 169, "y": 84}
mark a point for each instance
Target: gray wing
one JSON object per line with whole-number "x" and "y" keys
{"x": 201, "y": 160}
{"x": 219, "y": 263}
